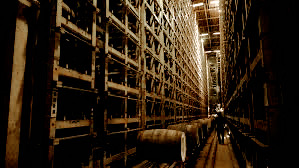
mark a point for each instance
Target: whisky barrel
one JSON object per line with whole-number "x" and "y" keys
{"x": 191, "y": 132}
{"x": 204, "y": 123}
{"x": 178, "y": 127}
{"x": 200, "y": 132}
{"x": 162, "y": 144}
{"x": 209, "y": 123}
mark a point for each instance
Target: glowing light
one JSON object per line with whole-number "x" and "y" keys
{"x": 204, "y": 34}
{"x": 198, "y": 4}
{"x": 216, "y": 2}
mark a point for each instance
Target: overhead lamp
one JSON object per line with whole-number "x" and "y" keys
{"x": 204, "y": 34}
{"x": 216, "y": 51}
{"x": 214, "y": 2}
{"x": 216, "y": 33}
{"x": 198, "y": 4}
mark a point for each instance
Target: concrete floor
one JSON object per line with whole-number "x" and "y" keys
{"x": 215, "y": 155}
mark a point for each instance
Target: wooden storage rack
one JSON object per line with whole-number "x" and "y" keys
{"x": 136, "y": 64}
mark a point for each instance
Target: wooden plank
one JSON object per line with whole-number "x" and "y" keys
{"x": 72, "y": 73}
{"x": 70, "y": 137}
{"x": 74, "y": 28}
{"x": 122, "y": 87}
{"x": 132, "y": 9}
{"x": 132, "y": 62}
{"x": 119, "y": 156}
{"x": 114, "y": 52}
{"x": 123, "y": 120}
{"x": 133, "y": 36}
{"x": 143, "y": 164}
{"x": 16, "y": 91}
{"x": 72, "y": 124}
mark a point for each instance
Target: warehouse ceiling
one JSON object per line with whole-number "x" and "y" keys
{"x": 207, "y": 15}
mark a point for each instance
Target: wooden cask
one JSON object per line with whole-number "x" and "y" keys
{"x": 192, "y": 138}
{"x": 204, "y": 123}
{"x": 162, "y": 145}
{"x": 192, "y": 131}
{"x": 200, "y": 132}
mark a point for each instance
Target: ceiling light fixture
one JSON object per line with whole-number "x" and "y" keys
{"x": 198, "y": 4}
{"x": 204, "y": 34}
{"x": 216, "y": 33}
{"x": 215, "y": 2}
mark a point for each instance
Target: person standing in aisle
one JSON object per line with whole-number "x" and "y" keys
{"x": 220, "y": 128}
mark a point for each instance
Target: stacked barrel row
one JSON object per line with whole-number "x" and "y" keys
{"x": 176, "y": 143}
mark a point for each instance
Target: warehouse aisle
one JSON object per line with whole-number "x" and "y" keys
{"x": 217, "y": 155}
{"x": 225, "y": 157}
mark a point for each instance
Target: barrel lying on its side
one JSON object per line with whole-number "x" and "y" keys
{"x": 191, "y": 132}
{"x": 162, "y": 144}
{"x": 204, "y": 123}
{"x": 200, "y": 133}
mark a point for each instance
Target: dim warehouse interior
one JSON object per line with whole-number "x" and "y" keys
{"x": 148, "y": 83}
